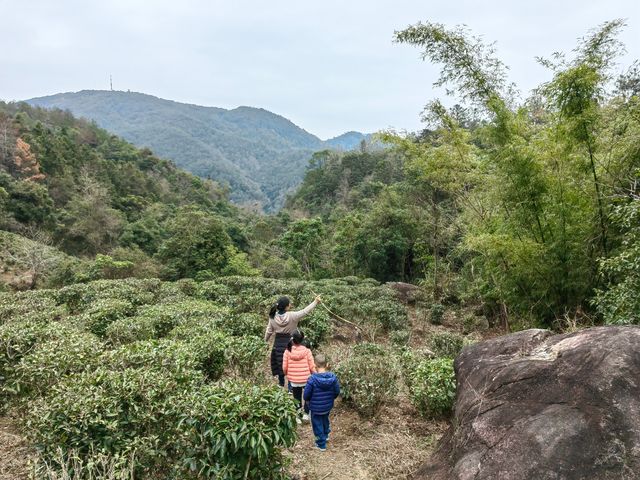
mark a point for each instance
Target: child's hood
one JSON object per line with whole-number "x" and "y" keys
{"x": 325, "y": 380}
{"x": 298, "y": 352}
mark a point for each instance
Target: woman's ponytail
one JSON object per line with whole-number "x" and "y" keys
{"x": 272, "y": 310}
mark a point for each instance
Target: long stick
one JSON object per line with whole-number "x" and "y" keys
{"x": 335, "y": 315}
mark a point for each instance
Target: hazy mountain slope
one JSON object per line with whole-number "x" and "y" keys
{"x": 260, "y": 154}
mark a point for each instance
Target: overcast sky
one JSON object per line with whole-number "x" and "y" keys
{"x": 329, "y": 66}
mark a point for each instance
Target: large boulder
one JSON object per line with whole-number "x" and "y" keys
{"x": 533, "y": 405}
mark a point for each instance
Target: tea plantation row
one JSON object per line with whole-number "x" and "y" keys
{"x": 171, "y": 375}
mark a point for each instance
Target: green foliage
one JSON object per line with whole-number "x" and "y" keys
{"x": 237, "y": 430}
{"x": 52, "y": 360}
{"x": 156, "y": 321}
{"x": 111, "y": 412}
{"x": 103, "y": 312}
{"x": 197, "y": 242}
{"x": 245, "y": 356}
{"x": 619, "y": 303}
{"x": 446, "y": 344}
{"x": 433, "y": 387}
{"x": 368, "y": 378}
{"x": 436, "y": 313}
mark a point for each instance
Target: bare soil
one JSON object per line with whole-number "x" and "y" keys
{"x": 14, "y": 452}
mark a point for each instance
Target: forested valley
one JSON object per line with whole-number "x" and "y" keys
{"x": 503, "y": 214}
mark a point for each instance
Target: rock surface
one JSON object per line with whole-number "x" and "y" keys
{"x": 533, "y": 405}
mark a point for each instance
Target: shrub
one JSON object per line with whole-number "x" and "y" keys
{"x": 206, "y": 343}
{"x": 33, "y": 303}
{"x": 243, "y": 324}
{"x": 170, "y": 356}
{"x": 111, "y": 412}
{"x": 400, "y": 338}
{"x": 156, "y": 321}
{"x": 135, "y": 291}
{"x": 52, "y": 360}
{"x": 368, "y": 379}
{"x": 436, "y": 313}
{"x": 446, "y": 344}
{"x": 237, "y": 430}
{"x": 433, "y": 387}
{"x": 245, "y": 356}
{"x": 102, "y": 313}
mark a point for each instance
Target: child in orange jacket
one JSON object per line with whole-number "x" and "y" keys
{"x": 298, "y": 366}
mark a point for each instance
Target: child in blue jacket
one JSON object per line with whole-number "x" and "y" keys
{"x": 321, "y": 390}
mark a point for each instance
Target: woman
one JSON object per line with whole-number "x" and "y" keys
{"x": 282, "y": 323}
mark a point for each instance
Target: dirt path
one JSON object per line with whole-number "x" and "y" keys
{"x": 14, "y": 452}
{"x": 390, "y": 446}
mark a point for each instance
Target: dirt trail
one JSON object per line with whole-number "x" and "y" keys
{"x": 390, "y": 446}
{"x": 14, "y": 452}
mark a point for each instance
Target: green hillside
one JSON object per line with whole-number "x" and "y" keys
{"x": 261, "y": 155}
{"x": 67, "y": 183}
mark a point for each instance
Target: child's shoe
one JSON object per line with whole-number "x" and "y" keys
{"x": 305, "y": 417}
{"x": 298, "y": 421}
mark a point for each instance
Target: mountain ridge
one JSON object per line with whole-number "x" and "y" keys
{"x": 261, "y": 155}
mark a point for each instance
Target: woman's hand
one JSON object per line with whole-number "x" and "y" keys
{"x": 318, "y": 299}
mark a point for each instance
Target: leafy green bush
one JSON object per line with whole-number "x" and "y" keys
{"x": 102, "y": 313}
{"x": 243, "y": 324}
{"x": 171, "y": 356}
{"x": 236, "y": 430}
{"x": 52, "y": 360}
{"x": 156, "y": 321}
{"x": 400, "y": 338}
{"x": 446, "y": 344}
{"x": 433, "y": 387}
{"x": 245, "y": 356}
{"x": 18, "y": 339}
{"x": 206, "y": 343}
{"x": 111, "y": 412}
{"x": 436, "y": 313}
{"x": 32, "y": 303}
{"x": 80, "y": 296}
{"x": 368, "y": 378}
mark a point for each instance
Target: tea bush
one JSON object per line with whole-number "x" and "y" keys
{"x": 39, "y": 304}
{"x": 171, "y": 356}
{"x": 51, "y": 360}
{"x": 156, "y": 321}
{"x": 368, "y": 378}
{"x": 446, "y": 344}
{"x": 245, "y": 356}
{"x": 135, "y": 291}
{"x": 102, "y": 313}
{"x": 433, "y": 387}
{"x": 237, "y": 430}
{"x": 436, "y": 313}
{"x": 111, "y": 412}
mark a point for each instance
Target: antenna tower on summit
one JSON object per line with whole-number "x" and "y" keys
{"x": 111, "y": 82}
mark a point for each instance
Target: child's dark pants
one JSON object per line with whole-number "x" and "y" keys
{"x": 297, "y": 396}
{"x": 321, "y": 430}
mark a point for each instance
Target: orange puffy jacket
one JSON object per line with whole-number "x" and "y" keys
{"x": 298, "y": 364}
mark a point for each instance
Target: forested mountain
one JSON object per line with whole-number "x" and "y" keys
{"x": 67, "y": 183}
{"x": 261, "y": 155}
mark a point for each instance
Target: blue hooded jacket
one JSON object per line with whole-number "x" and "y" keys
{"x": 320, "y": 392}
